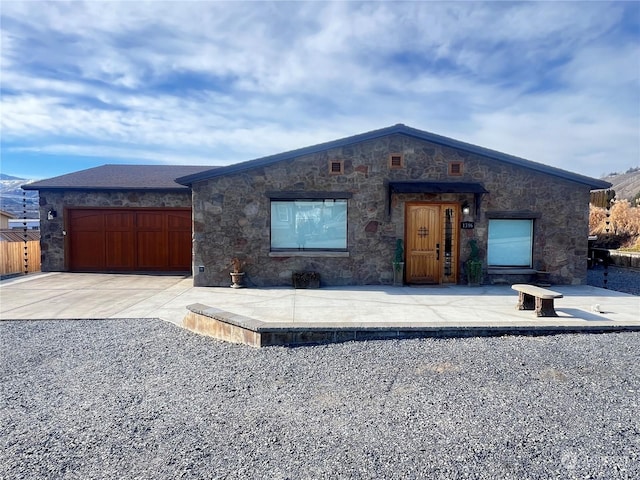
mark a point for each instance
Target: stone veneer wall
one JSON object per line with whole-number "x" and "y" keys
{"x": 231, "y": 213}
{"x": 51, "y": 231}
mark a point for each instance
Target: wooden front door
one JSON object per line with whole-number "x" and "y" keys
{"x": 431, "y": 243}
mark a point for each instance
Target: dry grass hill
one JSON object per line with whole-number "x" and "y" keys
{"x": 626, "y": 185}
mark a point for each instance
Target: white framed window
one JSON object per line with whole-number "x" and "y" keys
{"x": 313, "y": 224}
{"x": 510, "y": 243}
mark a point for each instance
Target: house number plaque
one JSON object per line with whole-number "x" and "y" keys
{"x": 467, "y": 225}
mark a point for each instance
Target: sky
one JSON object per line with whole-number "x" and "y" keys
{"x": 85, "y": 84}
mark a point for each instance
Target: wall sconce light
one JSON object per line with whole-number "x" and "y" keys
{"x": 466, "y": 209}
{"x": 51, "y": 214}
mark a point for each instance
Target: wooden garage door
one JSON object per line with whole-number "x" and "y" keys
{"x": 104, "y": 240}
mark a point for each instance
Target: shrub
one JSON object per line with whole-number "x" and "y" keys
{"x": 623, "y": 227}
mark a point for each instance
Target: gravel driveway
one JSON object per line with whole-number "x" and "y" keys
{"x": 145, "y": 399}
{"x": 625, "y": 280}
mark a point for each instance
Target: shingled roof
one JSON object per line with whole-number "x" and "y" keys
{"x": 401, "y": 129}
{"x": 121, "y": 177}
{"x": 17, "y": 235}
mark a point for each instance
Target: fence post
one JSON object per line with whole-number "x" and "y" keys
{"x": 25, "y": 233}
{"x": 610, "y": 196}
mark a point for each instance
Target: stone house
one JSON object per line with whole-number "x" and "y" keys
{"x": 340, "y": 207}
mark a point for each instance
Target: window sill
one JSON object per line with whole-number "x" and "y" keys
{"x": 510, "y": 271}
{"x": 302, "y": 253}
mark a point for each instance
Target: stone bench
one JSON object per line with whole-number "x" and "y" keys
{"x": 535, "y": 298}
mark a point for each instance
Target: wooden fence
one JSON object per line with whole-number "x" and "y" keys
{"x": 12, "y": 257}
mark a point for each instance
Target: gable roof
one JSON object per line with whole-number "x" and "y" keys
{"x": 7, "y": 214}
{"x": 402, "y": 129}
{"x": 121, "y": 177}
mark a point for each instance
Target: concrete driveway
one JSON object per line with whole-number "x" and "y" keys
{"x": 100, "y": 296}
{"x": 93, "y": 296}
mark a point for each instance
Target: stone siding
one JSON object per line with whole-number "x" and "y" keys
{"x": 52, "y": 242}
{"x": 231, "y": 213}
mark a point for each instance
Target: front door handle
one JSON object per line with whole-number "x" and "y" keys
{"x": 437, "y": 251}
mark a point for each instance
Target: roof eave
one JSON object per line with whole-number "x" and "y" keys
{"x": 108, "y": 189}
{"x": 600, "y": 185}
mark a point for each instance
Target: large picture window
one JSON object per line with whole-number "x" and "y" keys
{"x": 309, "y": 224}
{"x": 510, "y": 242}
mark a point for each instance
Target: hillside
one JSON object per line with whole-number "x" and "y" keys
{"x": 626, "y": 185}
{"x": 13, "y": 199}
{"x": 4, "y": 176}
{"x": 619, "y": 227}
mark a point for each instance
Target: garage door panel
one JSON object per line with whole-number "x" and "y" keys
{"x": 87, "y": 220}
{"x": 152, "y": 250}
{"x": 88, "y": 250}
{"x": 119, "y": 221}
{"x": 179, "y": 221}
{"x": 179, "y": 248}
{"x": 151, "y": 220}
{"x": 119, "y": 251}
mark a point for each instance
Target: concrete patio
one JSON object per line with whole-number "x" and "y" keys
{"x": 285, "y": 316}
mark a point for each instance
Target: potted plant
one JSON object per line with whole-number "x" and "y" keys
{"x": 398, "y": 264}
{"x": 474, "y": 265}
{"x": 237, "y": 275}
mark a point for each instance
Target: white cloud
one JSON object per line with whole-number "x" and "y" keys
{"x": 102, "y": 151}
{"x": 556, "y": 82}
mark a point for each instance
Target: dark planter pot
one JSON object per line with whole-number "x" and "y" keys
{"x": 237, "y": 278}
{"x": 306, "y": 280}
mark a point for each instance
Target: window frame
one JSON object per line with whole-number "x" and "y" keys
{"x": 337, "y": 163}
{"x": 456, "y": 169}
{"x": 516, "y": 218}
{"x": 277, "y": 199}
{"x": 394, "y": 166}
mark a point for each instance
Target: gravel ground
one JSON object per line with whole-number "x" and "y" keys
{"x": 145, "y": 399}
{"x": 625, "y": 280}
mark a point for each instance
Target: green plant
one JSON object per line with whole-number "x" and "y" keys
{"x": 475, "y": 253}
{"x": 474, "y": 264}
{"x": 399, "y": 255}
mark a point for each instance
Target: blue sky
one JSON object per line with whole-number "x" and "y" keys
{"x": 214, "y": 83}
